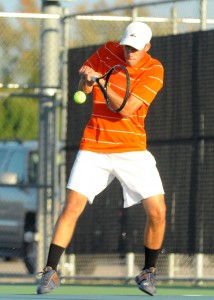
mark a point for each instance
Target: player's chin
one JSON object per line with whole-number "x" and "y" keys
{"x": 130, "y": 62}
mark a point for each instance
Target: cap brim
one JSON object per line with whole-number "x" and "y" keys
{"x": 129, "y": 42}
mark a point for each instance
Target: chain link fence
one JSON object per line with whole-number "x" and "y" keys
{"x": 164, "y": 17}
{"x": 32, "y": 103}
{"x": 31, "y": 146}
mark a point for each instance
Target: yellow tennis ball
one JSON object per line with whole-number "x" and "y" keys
{"x": 79, "y": 97}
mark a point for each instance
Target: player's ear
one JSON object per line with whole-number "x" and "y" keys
{"x": 147, "y": 47}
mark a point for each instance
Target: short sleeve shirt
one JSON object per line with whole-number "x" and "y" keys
{"x": 107, "y": 131}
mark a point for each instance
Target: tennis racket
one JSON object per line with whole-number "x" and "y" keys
{"x": 117, "y": 85}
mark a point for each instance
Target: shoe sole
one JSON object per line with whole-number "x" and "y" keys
{"x": 147, "y": 292}
{"x": 42, "y": 290}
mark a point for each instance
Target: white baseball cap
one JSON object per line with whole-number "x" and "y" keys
{"x": 136, "y": 35}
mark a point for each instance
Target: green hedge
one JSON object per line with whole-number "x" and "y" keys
{"x": 19, "y": 119}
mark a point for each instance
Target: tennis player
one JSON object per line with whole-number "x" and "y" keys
{"x": 114, "y": 145}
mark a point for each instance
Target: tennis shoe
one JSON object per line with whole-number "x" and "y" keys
{"x": 49, "y": 281}
{"x": 146, "y": 281}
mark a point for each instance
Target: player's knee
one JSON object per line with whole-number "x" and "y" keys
{"x": 157, "y": 217}
{"x": 75, "y": 205}
{"x": 157, "y": 212}
{"x": 161, "y": 214}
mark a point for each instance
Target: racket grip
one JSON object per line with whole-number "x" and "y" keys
{"x": 94, "y": 78}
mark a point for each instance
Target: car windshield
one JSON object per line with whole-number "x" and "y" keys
{"x": 16, "y": 164}
{"x": 2, "y": 157}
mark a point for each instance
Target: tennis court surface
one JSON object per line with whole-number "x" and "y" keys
{"x": 99, "y": 297}
{"x": 104, "y": 292}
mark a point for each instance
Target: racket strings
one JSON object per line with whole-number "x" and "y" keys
{"x": 117, "y": 82}
{"x": 117, "y": 88}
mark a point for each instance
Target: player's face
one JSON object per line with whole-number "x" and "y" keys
{"x": 133, "y": 56}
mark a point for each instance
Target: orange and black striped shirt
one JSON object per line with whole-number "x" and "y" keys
{"x": 109, "y": 132}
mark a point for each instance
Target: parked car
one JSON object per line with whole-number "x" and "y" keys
{"x": 18, "y": 201}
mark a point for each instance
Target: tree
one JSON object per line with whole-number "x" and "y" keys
{"x": 19, "y": 47}
{"x": 19, "y": 118}
{"x": 19, "y": 54}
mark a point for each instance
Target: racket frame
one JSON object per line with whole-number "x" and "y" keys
{"x": 106, "y": 84}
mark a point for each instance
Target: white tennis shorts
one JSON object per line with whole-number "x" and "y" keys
{"x": 137, "y": 172}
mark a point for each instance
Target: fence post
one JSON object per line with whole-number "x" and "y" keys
{"x": 199, "y": 265}
{"x": 49, "y": 80}
{"x": 130, "y": 258}
{"x": 134, "y": 14}
{"x": 171, "y": 269}
{"x": 203, "y": 14}
{"x": 174, "y": 20}
{"x": 69, "y": 268}
{"x": 65, "y": 260}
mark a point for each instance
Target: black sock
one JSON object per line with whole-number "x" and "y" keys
{"x": 151, "y": 257}
{"x": 54, "y": 255}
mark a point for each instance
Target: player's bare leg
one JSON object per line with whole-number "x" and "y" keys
{"x": 66, "y": 223}
{"x": 63, "y": 233}
{"x": 155, "y": 209}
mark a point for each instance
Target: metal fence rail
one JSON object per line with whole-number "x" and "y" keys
{"x": 165, "y": 18}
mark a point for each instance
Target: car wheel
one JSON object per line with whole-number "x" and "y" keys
{"x": 30, "y": 256}
{"x": 7, "y": 258}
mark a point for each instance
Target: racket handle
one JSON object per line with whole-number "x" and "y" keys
{"x": 94, "y": 78}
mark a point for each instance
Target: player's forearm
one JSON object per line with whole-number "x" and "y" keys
{"x": 132, "y": 105}
{"x": 115, "y": 99}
